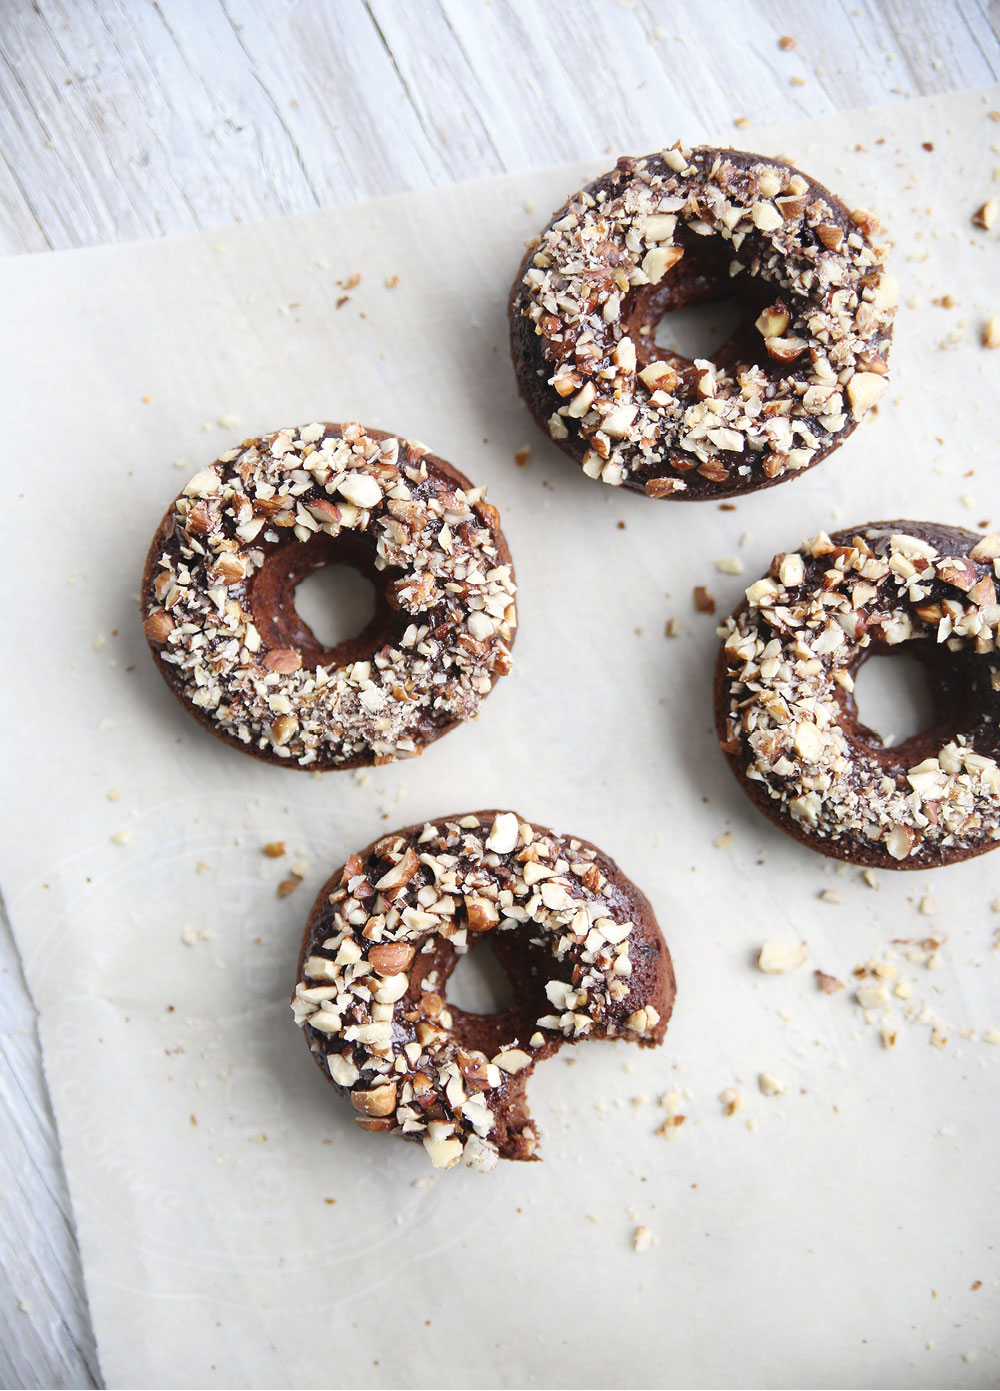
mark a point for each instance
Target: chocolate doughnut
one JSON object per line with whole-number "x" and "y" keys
{"x": 577, "y": 940}
{"x": 681, "y": 227}
{"x": 219, "y": 608}
{"x": 786, "y": 715}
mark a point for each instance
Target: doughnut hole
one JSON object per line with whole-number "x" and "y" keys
{"x": 336, "y": 603}
{"x": 272, "y": 602}
{"x": 478, "y": 984}
{"x": 716, "y": 314}
{"x": 922, "y": 699}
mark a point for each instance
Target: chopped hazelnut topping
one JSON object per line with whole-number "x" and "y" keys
{"x": 694, "y": 425}
{"x": 789, "y": 654}
{"x": 437, "y": 548}
{"x": 379, "y": 1017}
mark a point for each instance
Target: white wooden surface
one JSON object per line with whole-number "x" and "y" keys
{"x": 122, "y": 119}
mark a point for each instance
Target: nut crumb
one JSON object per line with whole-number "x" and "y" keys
{"x": 274, "y": 849}
{"x": 778, "y": 958}
{"x": 724, "y": 841}
{"x": 870, "y": 878}
{"x": 986, "y": 216}
{"x": 122, "y": 837}
{"x": 731, "y": 1100}
{"x": 391, "y": 282}
{"x": 786, "y": 43}
{"x": 672, "y": 628}
{"x": 771, "y": 1084}
{"x": 991, "y": 332}
{"x": 522, "y": 455}
{"x": 642, "y": 1239}
{"x": 828, "y": 984}
{"x": 288, "y": 886}
{"x": 741, "y": 122}
{"x": 830, "y": 896}
{"x": 729, "y": 565}
{"x": 704, "y": 602}
{"x": 115, "y": 794}
{"x": 928, "y": 906}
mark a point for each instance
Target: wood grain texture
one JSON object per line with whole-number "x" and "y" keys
{"x": 122, "y": 119}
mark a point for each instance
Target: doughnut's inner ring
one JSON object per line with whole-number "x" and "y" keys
{"x": 702, "y": 277}
{"x": 271, "y": 600}
{"x": 962, "y": 703}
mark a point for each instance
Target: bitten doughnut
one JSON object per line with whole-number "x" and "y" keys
{"x": 577, "y": 940}
{"x": 684, "y": 226}
{"x": 786, "y": 714}
{"x": 219, "y": 607}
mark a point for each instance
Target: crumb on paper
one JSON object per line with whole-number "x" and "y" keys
{"x": 522, "y": 455}
{"x": 98, "y": 642}
{"x": 992, "y": 1036}
{"x": 672, "y": 628}
{"x": 731, "y": 1100}
{"x": 288, "y": 886}
{"x": 986, "y": 215}
{"x": 928, "y": 905}
{"x": 642, "y": 1239}
{"x": 301, "y": 868}
{"x": 729, "y": 565}
{"x": 870, "y": 878}
{"x": 391, "y": 282}
{"x": 786, "y": 43}
{"x": 830, "y": 896}
{"x": 724, "y": 841}
{"x": 991, "y": 332}
{"x": 122, "y": 837}
{"x": 704, "y": 602}
{"x": 830, "y": 985}
{"x": 778, "y": 958}
{"x": 888, "y": 1036}
{"x": 25, "y": 1306}
{"x": 771, "y": 1084}
{"x": 274, "y": 849}
{"x": 115, "y": 794}
{"x": 741, "y": 122}
{"x": 228, "y": 421}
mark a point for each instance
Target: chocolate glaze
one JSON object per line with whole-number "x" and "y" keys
{"x": 527, "y": 966}
{"x": 962, "y": 703}
{"x": 702, "y": 276}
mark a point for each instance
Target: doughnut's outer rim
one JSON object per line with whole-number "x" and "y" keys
{"x": 529, "y": 360}
{"x": 452, "y": 476}
{"x": 645, "y": 920}
{"x": 849, "y": 850}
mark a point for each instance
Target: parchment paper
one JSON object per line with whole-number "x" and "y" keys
{"x": 236, "y": 1229}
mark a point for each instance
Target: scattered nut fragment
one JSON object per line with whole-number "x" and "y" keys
{"x": 704, "y": 602}
{"x": 522, "y": 455}
{"x": 786, "y": 43}
{"x": 986, "y": 216}
{"x": 827, "y": 983}
{"x": 779, "y": 958}
{"x": 991, "y": 332}
{"x": 729, "y": 565}
{"x": 122, "y": 837}
{"x": 642, "y": 1239}
{"x": 672, "y": 628}
{"x": 731, "y": 1100}
{"x": 928, "y": 905}
{"x": 274, "y": 849}
{"x": 771, "y": 1085}
{"x": 870, "y": 878}
{"x": 724, "y": 841}
{"x": 830, "y": 896}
